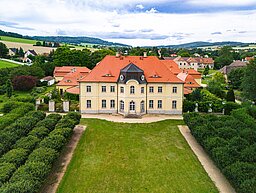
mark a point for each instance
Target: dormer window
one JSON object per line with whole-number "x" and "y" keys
{"x": 68, "y": 80}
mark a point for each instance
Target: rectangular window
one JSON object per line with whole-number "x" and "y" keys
{"x": 103, "y": 89}
{"x": 88, "y": 89}
{"x": 174, "y": 89}
{"x": 142, "y": 90}
{"x": 151, "y": 104}
{"x": 121, "y": 89}
{"x": 132, "y": 89}
{"x": 112, "y": 88}
{"x": 103, "y": 104}
{"x": 88, "y": 104}
{"x": 112, "y": 104}
{"x": 159, "y": 104}
{"x": 151, "y": 89}
{"x": 174, "y": 104}
{"x": 160, "y": 89}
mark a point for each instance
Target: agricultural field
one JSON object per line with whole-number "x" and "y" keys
{"x": 27, "y": 46}
{"x": 18, "y": 40}
{"x": 5, "y": 64}
{"x": 122, "y": 157}
{"x": 30, "y": 143}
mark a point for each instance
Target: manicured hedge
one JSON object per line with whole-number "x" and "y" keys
{"x": 230, "y": 140}
{"x": 6, "y": 170}
{"x": 30, "y": 176}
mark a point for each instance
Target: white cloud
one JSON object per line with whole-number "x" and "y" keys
{"x": 152, "y": 10}
{"x": 140, "y": 6}
{"x": 95, "y": 18}
{"x": 213, "y": 3}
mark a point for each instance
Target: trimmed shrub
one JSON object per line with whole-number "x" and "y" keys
{"x": 6, "y": 170}
{"x": 54, "y": 141}
{"x": 15, "y": 156}
{"x": 248, "y": 154}
{"x": 66, "y": 122}
{"x": 213, "y": 142}
{"x": 43, "y": 154}
{"x": 54, "y": 116}
{"x": 39, "y": 132}
{"x": 66, "y": 132}
{"x": 229, "y": 106}
{"x": 38, "y": 114}
{"x": 48, "y": 123}
{"x": 22, "y": 186}
{"x": 28, "y": 142}
{"x": 74, "y": 116}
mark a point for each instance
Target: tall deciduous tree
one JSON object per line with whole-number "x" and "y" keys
{"x": 206, "y": 70}
{"x": 8, "y": 88}
{"x": 24, "y": 83}
{"x": 225, "y": 57}
{"x": 3, "y": 50}
{"x": 235, "y": 77}
{"x": 249, "y": 81}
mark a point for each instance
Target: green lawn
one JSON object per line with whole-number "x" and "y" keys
{"x": 121, "y": 157}
{"x": 19, "y": 40}
{"x": 5, "y": 64}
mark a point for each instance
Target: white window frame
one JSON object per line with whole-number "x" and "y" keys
{"x": 88, "y": 104}
{"x": 88, "y": 88}
{"x": 132, "y": 89}
{"x": 159, "y": 104}
{"x": 174, "y": 104}
{"x": 160, "y": 89}
{"x": 112, "y": 104}
{"x": 103, "y": 88}
{"x": 103, "y": 104}
{"x": 112, "y": 88}
{"x": 151, "y": 104}
{"x": 151, "y": 89}
{"x": 174, "y": 89}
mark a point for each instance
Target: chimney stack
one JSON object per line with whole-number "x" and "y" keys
{"x": 144, "y": 54}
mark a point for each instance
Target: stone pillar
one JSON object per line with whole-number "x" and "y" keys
{"x": 38, "y": 102}
{"x": 196, "y": 109}
{"x": 52, "y": 106}
{"x": 66, "y": 106}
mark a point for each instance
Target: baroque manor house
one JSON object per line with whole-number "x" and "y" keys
{"x": 131, "y": 85}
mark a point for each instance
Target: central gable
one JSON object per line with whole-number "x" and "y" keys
{"x": 131, "y": 72}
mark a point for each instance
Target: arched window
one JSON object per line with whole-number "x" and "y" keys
{"x": 132, "y": 89}
{"x": 132, "y": 106}
{"x": 142, "y": 106}
{"x": 121, "y": 106}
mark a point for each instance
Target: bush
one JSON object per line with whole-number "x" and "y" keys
{"x": 6, "y": 170}
{"x": 214, "y": 142}
{"x": 38, "y": 114}
{"x": 66, "y": 132}
{"x": 53, "y": 141}
{"x": 39, "y": 132}
{"x": 189, "y": 106}
{"x": 66, "y": 122}
{"x": 15, "y": 156}
{"x": 229, "y": 106}
{"x": 74, "y": 116}
{"x": 203, "y": 107}
{"x": 54, "y": 116}
{"x": 43, "y": 154}
{"x": 241, "y": 114}
{"x": 28, "y": 142}
{"x": 248, "y": 154}
{"x": 22, "y": 186}
{"x": 48, "y": 123}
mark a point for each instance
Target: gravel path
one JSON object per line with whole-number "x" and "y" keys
{"x": 214, "y": 173}
{"x": 145, "y": 119}
{"x": 54, "y": 179}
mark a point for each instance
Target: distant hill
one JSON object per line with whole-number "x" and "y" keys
{"x": 77, "y": 40}
{"x": 206, "y": 44}
{"x": 64, "y": 39}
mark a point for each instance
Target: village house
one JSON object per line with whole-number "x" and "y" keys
{"x": 131, "y": 86}
{"x": 68, "y": 77}
{"x": 191, "y": 77}
{"x": 192, "y": 62}
{"x": 49, "y": 79}
{"x": 27, "y": 54}
{"x": 235, "y": 64}
{"x": 13, "y": 51}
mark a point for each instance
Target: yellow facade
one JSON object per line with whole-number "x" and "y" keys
{"x": 157, "y": 98}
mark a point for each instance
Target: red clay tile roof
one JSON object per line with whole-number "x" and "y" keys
{"x": 188, "y": 79}
{"x": 172, "y": 66}
{"x": 112, "y": 65}
{"x": 73, "y": 90}
{"x": 187, "y": 91}
{"x": 207, "y": 60}
{"x": 47, "y": 78}
{"x": 71, "y": 79}
{"x": 249, "y": 58}
{"x": 62, "y": 71}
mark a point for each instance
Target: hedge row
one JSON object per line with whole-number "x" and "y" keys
{"x": 230, "y": 140}
{"x": 14, "y": 111}
{"x": 29, "y": 177}
{"x": 20, "y": 128}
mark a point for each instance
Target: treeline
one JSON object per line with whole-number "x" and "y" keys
{"x": 230, "y": 142}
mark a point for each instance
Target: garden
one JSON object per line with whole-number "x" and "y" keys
{"x": 30, "y": 143}
{"x": 230, "y": 142}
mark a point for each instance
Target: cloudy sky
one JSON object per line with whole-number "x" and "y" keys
{"x": 134, "y": 22}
